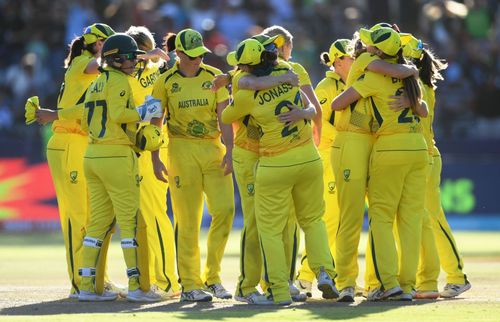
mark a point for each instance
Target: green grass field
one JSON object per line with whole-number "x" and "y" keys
{"x": 34, "y": 287}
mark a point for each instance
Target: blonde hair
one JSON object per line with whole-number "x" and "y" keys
{"x": 278, "y": 30}
{"x": 143, "y": 37}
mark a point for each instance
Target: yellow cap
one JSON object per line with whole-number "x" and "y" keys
{"x": 149, "y": 138}
{"x": 385, "y": 39}
{"x": 190, "y": 42}
{"x": 412, "y": 47}
{"x": 248, "y": 52}
{"x": 380, "y": 25}
{"x": 97, "y": 31}
{"x": 337, "y": 49}
{"x": 265, "y": 40}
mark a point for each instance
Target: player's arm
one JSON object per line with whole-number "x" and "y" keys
{"x": 227, "y": 138}
{"x": 240, "y": 107}
{"x": 255, "y": 83}
{"x": 317, "y": 123}
{"x": 296, "y": 113}
{"x": 345, "y": 99}
{"x": 93, "y": 66}
{"x": 400, "y": 71}
{"x": 160, "y": 93}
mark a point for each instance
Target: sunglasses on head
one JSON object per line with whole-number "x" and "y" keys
{"x": 271, "y": 47}
{"x": 129, "y": 56}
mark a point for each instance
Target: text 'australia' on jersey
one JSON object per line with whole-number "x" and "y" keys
{"x": 265, "y": 106}
{"x": 377, "y": 89}
{"x": 109, "y": 113}
{"x": 191, "y": 104}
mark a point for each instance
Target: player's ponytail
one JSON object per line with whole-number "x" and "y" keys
{"x": 411, "y": 86}
{"x": 75, "y": 49}
{"x": 169, "y": 42}
{"x": 430, "y": 68}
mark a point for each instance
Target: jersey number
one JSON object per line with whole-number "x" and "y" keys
{"x": 92, "y": 106}
{"x": 286, "y": 130}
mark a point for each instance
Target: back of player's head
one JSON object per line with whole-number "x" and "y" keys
{"x": 248, "y": 52}
{"x": 142, "y": 36}
{"x": 385, "y": 39}
{"x": 278, "y": 31}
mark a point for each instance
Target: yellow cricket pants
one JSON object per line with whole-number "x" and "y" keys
{"x": 159, "y": 230}
{"x": 449, "y": 256}
{"x": 194, "y": 170}
{"x": 428, "y": 265}
{"x": 277, "y": 186}
{"x": 350, "y": 160}
{"x": 331, "y": 216}
{"x": 113, "y": 183}
{"x": 65, "y": 157}
{"x": 396, "y": 193}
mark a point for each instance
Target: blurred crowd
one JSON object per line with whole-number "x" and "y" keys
{"x": 34, "y": 35}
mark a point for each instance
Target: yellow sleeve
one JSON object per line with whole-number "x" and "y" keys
{"x": 242, "y": 105}
{"x": 303, "y": 75}
{"x": 118, "y": 95}
{"x": 359, "y": 66}
{"x": 160, "y": 90}
{"x": 71, "y": 113}
{"x": 366, "y": 85}
{"x": 325, "y": 99}
{"x": 222, "y": 94}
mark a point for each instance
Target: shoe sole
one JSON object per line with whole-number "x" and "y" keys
{"x": 224, "y": 298}
{"x": 346, "y": 299}
{"x": 202, "y": 300}
{"x": 97, "y": 299}
{"x": 143, "y": 300}
{"x": 388, "y": 297}
{"x": 297, "y": 298}
{"x": 328, "y": 291}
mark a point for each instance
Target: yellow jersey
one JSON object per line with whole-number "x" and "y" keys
{"x": 301, "y": 71}
{"x": 109, "y": 110}
{"x": 190, "y": 103}
{"x": 142, "y": 85}
{"x": 377, "y": 89}
{"x": 72, "y": 94}
{"x": 327, "y": 89}
{"x": 357, "y": 117}
{"x": 246, "y": 131}
{"x": 265, "y": 106}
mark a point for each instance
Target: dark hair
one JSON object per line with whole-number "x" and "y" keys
{"x": 76, "y": 48}
{"x": 169, "y": 41}
{"x": 430, "y": 68}
{"x": 268, "y": 60}
{"x": 411, "y": 86}
{"x": 359, "y": 48}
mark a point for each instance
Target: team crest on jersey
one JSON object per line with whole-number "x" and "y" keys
{"x": 73, "y": 175}
{"x": 177, "y": 180}
{"x": 331, "y": 187}
{"x": 251, "y": 189}
{"x": 347, "y": 174}
{"x": 206, "y": 85}
{"x": 175, "y": 88}
{"x": 196, "y": 128}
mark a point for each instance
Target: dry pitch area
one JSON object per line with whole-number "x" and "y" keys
{"x": 33, "y": 287}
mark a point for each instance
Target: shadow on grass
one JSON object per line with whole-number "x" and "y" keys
{"x": 217, "y": 310}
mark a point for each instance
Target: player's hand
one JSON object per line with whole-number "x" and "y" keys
{"x": 399, "y": 103}
{"x": 220, "y": 81}
{"x": 154, "y": 54}
{"x": 150, "y": 109}
{"x": 290, "y": 78}
{"x": 227, "y": 163}
{"x": 160, "y": 170}
{"x": 44, "y": 116}
{"x": 295, "y": 114}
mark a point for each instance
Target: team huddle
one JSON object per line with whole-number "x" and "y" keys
{"x": 134, "y": 120}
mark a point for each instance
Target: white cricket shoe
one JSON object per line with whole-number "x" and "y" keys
{"x": 85, "y": 296}
{"x": 327, "y": 286}
{"x": 304, "y": 286}
{"x": 401, "y": 297}
{"x": 347, "y": 295}
{"x": 268, "y": 300}
{"x": 219, "y": 291}
{"x": 453, "y": 290}
{"x": 379, "y": 295}
{"x": 141, "y": 296}
{"x": 250, "y": 298}
{"x": 196, "y": 296}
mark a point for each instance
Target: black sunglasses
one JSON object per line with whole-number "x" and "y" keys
{"x": 196, "y": 57}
